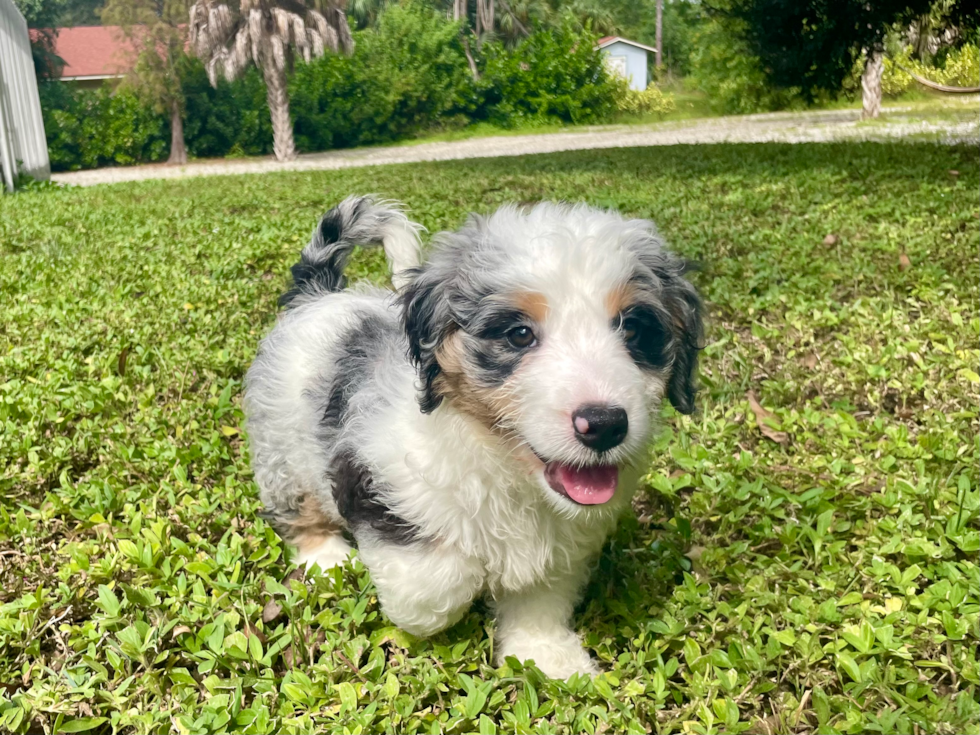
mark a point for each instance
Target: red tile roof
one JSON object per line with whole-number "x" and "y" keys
{"x": 93, "y": 51}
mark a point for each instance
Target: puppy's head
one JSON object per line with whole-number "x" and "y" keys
{"x": 561, "y": 329}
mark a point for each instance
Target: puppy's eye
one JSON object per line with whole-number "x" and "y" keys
{"x": 631, "y": 329}
{"x": 521, "y": 337}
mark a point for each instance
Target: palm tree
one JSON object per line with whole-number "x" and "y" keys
{"x": 269, "y": 34}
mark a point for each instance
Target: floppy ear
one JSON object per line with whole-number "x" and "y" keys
{"x": 427, "y": 321}
{"x": 682, "y": 301}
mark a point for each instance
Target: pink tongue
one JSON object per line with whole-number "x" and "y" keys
{"x": 588, "y": 485}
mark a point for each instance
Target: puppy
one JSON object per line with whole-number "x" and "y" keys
{"x": 479, "y": 430}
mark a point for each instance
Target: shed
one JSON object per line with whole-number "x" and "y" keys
{"x": 23, "y": 147}
{"x": 627, "y": 58}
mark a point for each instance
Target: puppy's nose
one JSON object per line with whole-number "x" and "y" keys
{"x": 600, "y": 427}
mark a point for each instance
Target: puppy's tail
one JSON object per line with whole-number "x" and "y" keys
{"x": 355, "y": 221}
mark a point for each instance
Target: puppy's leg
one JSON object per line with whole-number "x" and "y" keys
{"x": 535, "y": 624}
{"x": 317, "y": 537}
{"x": 422, "y": 588}
{"x": 325, "y": 552}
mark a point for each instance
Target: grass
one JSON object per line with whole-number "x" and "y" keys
{"x": 806, "y": 566}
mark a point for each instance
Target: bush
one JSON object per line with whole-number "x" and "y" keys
{"x": 91, "y": 128}
{"x": 723, "y": 67}
{"x": 404, "y": 75}
{"x": 959, "y": 68}
{"x": 646, "y": 102}
{"x": 553, "y": 75}
{"x": 232, "y": 119}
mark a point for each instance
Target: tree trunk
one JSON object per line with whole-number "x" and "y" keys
{"x": 660, "y": 33}
{"x": 485, "y": 16}
{"x": 178, "y": 151}
{"x": 871, "y": 84}
{"x": 278, "y": 98}
{"x": 470, "y": 60}
{"x": 459, "y": 9}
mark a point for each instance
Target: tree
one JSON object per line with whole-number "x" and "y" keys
{"x": 365, "y": 13}
{"x": 42, "y": 19}
{"x": 269, "y": 34}
{"x": 659, "y": 61}
{"x": 156, "y": 31}
{"x": 814, "y": 44}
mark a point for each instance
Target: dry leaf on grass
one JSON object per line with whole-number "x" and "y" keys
{"x": 179, "y": 630}
{"x": 831, "y": 240}
{"x": 121, "y": 362}
{"x": 271, "y": 611}
{"x": 810, "y": 361}
{"x": 251, "y": 630}
{"x": 761, "y": 416}
{"x": 903, "y": 262}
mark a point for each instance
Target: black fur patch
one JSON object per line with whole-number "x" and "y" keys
{"x": 650, "y": 346}
{"x": 427, "y": 321}
{"x": 495, "y": 360}
{"x": 358, "y": 350}
{"x": 681, "y": 319}
{"x": 330, "y": 241}
{"x": 356, "y": 495}
{"x": 495, "y": 357}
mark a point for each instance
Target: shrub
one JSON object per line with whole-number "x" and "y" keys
{"x": 90, "y": 128}
{"x": 643, "y": 102}
{"x": 959, "y": 68}
{"x": 552, "y": 76}
{"x": 723, "y": 67}
{"x": 232, "y": 119}
{"x": 404, "y": 75}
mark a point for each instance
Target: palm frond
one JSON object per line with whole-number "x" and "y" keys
{"x": 265, "y": 32}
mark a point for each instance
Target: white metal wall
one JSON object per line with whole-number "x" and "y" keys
{"x": 23, "y": 147}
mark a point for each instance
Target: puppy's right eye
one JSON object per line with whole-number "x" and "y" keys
{"x": 521, "y": 337}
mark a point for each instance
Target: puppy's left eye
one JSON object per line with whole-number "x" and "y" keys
{"x": 631, "y": 328}
{"x": 521, "y": 337}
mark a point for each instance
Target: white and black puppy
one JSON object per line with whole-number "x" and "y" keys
{"x": 479, "y": 430}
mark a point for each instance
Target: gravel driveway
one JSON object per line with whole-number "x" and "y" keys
{"x": 798, "y": 127}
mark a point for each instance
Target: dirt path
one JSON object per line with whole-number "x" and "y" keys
{"x": 805, "y": 127}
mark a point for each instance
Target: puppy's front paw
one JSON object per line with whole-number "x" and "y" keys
{"x": 557, "y": 656}
{"x": 329, "y": 552}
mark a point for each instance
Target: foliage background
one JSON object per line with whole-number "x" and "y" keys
{"x": 408, "y": 75}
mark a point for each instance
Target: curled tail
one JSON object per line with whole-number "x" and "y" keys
{"x": 355, "y": 221}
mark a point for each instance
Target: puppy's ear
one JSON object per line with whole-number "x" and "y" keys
{"x": 427, "y": 321}
{"x": 684, "y": 304}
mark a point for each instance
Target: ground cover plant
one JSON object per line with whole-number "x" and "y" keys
{"x": 803, "y": 556}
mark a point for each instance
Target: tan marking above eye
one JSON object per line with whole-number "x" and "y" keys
{"x": 534, "y": 304}
{"x": 619, "y": 298}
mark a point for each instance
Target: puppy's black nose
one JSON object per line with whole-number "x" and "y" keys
{"x": 600, "y": 427}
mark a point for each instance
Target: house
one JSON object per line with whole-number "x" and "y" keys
{"x": 627, "y": 58}
{"x": 93, "y": 54}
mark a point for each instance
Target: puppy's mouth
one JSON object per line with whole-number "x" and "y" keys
{"x": 591, "y": 485}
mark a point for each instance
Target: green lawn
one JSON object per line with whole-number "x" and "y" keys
{"x": 811, "y": 571}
